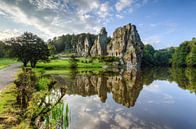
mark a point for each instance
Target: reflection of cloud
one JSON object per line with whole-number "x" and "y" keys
{"x": 103, "y": 115}
{"x": 154, "y": 88}
{"x": 168, "y": 98}
{"x": 122, "y": 122}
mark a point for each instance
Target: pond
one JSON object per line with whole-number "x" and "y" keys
{"x": 156, "y": 98}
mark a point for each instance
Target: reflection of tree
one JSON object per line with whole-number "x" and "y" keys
{"x": 184, "y": 77}
{"x": 155, "y": 73}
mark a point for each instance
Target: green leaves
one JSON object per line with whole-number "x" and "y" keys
{"x": 185, "y": 54}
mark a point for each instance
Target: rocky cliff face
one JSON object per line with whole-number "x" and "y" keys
{"x": 83, "y": 46}
{"x": 127, "y": 45}
{"x": 99, "y": 47}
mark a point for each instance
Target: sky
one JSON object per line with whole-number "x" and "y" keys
{"x": 161, "y": 23}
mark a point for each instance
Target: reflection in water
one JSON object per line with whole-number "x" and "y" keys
{"x": 40, "y": 109}
{"x": 99, "y": 100}
{"x": 184, "y": 77}
{"x": 125, "y": 87}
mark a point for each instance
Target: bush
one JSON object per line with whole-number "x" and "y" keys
{"x": 43, "y": 83}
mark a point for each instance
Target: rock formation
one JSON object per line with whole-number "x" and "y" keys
{"x": 127, "y": 45}
{"x": 83, "y": 46}
{"x": 99, "y": 47}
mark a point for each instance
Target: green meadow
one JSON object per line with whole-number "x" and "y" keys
{"x": 4, "y": 62}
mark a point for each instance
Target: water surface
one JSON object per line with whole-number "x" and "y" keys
{"x": 161, "y": 98}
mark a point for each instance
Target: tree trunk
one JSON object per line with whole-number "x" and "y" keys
{"x": 25, "y": 63}
{"x": 33, "y": 64}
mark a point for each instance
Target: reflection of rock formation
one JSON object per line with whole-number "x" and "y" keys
{"x": 125, "y": 88}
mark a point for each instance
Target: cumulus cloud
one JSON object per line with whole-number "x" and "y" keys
{"x": 49, "y": 18}
{"x": 52, "y": 18}
{"x": 9, "y": 33}
{"x": 122, "y": 4}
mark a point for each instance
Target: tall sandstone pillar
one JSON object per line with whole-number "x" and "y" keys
{"x": 99, "y": 47}
{"x": 127, "y": 45}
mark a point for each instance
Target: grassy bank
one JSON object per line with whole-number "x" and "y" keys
{"x": 81, "y": 63}
{"x": 22, "y": 103}
{"x": 4, "y": 62}
{"x": 64, "y": 66}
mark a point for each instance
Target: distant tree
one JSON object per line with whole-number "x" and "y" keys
{"x": 148, "y": 56}
{"x": 152, "y": 57}
{"x": 51, "y": 48}
{"x": 185, "y": 54}
{"x": 2, "y": 49}
{"x": 30, "y": 48}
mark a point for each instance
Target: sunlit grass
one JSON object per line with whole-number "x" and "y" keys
{"x": 7, "y": 96}
{"x": 6, "y": 62}
{"x": 81, "y": 63}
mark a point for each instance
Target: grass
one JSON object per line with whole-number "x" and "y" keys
{"x": 81, "y": 63}
{"x": 84, "y": 65}
{"x": 7, "y": 96}
{"x": 4, "y": 62}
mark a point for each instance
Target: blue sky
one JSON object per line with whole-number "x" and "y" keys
{"x": 162, "y": 23}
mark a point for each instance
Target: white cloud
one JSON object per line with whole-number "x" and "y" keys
{"x": 49, "y": 18}
{"x": 152, "y": 40}
{"x": 104, "y": 10}
{"x": 53, "y": 18}
{"x": 119, "y": 16}
{"x": 122, "y": 4}
{"x": 9, "y": 33}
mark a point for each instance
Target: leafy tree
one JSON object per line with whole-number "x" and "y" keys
{"x": 30, "y": 48}
{"x": 152, "y": 57}
{"x": 148, "y": 57}
{"x": 68, "y": 42}
{"x": 185, "y": 54}
{"x": 2, "y": 48}
{"x": 191, "y": 57}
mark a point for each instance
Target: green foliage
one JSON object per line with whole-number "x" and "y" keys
{"x": 191, "y": 57}
{"x": 73, "y": 62}
{"x": 154, "y": 57}
{"x": 5, "y": 50}
{"x": 58, "y": 116}
{"x": 109, "y": 59}
{"x": 43, "y": 83}
{"x": 29, "y": 48}
{"x": 6, "y": 62}
{"x": 68, "y": 42}
{"x": 185, "y": 54}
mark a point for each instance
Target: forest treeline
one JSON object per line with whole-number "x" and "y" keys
{"x": 68, "y": 42}
{"x": 184, "y": 55}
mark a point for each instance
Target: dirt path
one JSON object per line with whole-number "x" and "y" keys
{"x": 8, "y": 75}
